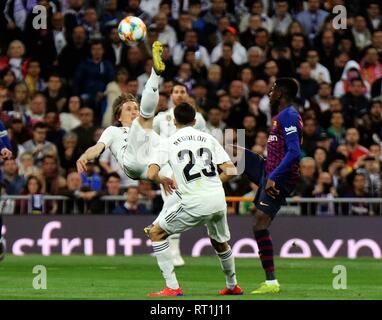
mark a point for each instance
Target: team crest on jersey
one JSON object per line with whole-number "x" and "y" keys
{"x": 274, "y": 123}
{"x": 168, "y": 118}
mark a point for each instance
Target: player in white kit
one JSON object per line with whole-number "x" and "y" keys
{"x": 165, "y": 127}
{"x": 194, "y": 157}
{"x": 132, "y": 139}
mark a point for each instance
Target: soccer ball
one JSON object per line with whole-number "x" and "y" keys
{"x": 132, "y": 30}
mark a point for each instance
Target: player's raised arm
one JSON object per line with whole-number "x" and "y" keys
{"x": 90, "y": 154}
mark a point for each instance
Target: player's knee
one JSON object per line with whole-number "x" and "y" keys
{"x": 263, "y": 221}
{"x": 218, "y": 246}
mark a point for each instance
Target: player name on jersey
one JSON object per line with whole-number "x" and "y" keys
{"x": 189, "y": 138}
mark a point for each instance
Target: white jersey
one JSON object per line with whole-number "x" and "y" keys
{"x": 193, "y": 156}
{"x": 131, "y": 147}
{"x": 164, "y": 123}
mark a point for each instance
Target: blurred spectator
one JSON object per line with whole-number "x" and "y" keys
{"x": 298, "y": 48}
{"x": 357, "y": 181}
{"x": 215, "y": 126}
{"x": 53, "y": 181}
{"x": 167, "y": 34}
{"x": 33, "y": 78}
{"x": 217, "y": 10}
{"x": 58, "y": 28}
{"x": 113, "y": 90}
{"x": 308, "y": 86}
{"x": 318, "y": 72}
{"x": 37, "y": 109}
{"x": 306, "y": 184}
{"x": 91, "y": 180}
{"x": 91, "y": 24}
{"x": 320, "y": 156}
{"x": 312, "y": 18}
{"x": 239, "y": 54}
{"x": 282, "y": 18}
{"x": 27, "y": 166}
{"x": 75, "y": 51}
{"x": 69, "y": 153}
{"x": 228, "y": 67}
{"x": 248, "y": 207}
{"x": 360, "y": 32}
{"x": 190, "y": 42}
{"x": 354, "y": 149}
{"x": 36, "y": 203}
{"x": 337, "y": 129}
{"x": 113, "y": 188}
{"x": 134, "y": 63}
{"x": 20, "y": 98}
{"x": 371, "y": 126}
{"x": 149, "y": 197}
{"x": 132, "y": 205}
{"x": 371, "y": 68}
{"x": 78, "y": 202}
{"x": 324, "y": 189}
{"x": 70, "y": 118}
{"x": 14, "y": 183}
{"x": 15, "y": 59}
{"x": 74, "y": 15}
{"x": 92, "y": 76}
{"x": 85, "y": 131}
{"x": 354, "y": 102}
{"x": 55, "y": 94}
{"x": 38, "y": 145}
{"x": 115, "y": 50}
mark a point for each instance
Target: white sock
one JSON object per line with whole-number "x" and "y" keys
{"x": 174, "y": 241}
{"x": 150, "y": 96}
{"x": 227, "y": 263}
{"x": 163, "y": 255}
{"x": 272, "y": 281}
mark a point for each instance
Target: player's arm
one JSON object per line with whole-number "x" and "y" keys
{"x": 90, "y": 154}
{"x": 292, "y": 142}
{"x": 228, "y": 171}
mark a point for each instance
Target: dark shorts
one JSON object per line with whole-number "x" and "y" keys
{"x": 255, "y": 171}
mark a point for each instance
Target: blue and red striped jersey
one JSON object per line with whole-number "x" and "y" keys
{"x": 283, "y": 147}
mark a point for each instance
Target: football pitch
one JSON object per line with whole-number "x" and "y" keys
{"x": 131, "y": 278}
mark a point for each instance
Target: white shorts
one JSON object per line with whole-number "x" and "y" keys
{"x": 140, "y": 146}
{"x": 175, "y": 219}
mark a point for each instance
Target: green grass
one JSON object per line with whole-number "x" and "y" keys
{"x": 100, "y": 277}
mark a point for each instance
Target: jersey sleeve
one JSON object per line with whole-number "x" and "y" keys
{"x": 107, "y": 136}
{"x": 156, "y": 123}
{"x": 220, "y": 155}
{"x": 290, "y": 124}
{"x": 200, "y": 123}
{"x": 160, "y": 155}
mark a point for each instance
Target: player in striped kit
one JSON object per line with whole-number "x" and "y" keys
{"x": 276, "y": 176}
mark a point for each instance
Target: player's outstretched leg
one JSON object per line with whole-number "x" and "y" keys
{"x": 162, "y": 253}
{"x": 265, "y": 245}
{"x": 2, "y": 242}
{"x": 150, "y": 94}
{"x": 227, "y": 262}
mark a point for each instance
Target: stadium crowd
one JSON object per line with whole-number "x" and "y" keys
{"x": 57, "y": 86}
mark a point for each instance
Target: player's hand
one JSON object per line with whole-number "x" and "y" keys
{"x": 270, "y": 189}
{"x": 5, "y": 153}
{"x": 168, "y": 184}
{"x": 81, "y": 164}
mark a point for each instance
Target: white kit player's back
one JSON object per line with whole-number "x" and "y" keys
{"x": 194, "y": 156}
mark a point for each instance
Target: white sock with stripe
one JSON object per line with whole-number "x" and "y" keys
{"x": 163, "y": 255}
{"x": 227, "y": 263}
